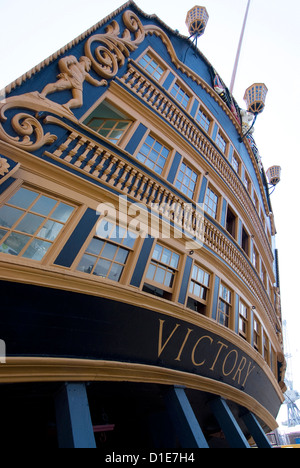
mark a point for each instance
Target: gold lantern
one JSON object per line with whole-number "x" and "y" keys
{"x": 255, "y": 97}
{"x": 196, "y": 20}
{"x": 273, "y": 174}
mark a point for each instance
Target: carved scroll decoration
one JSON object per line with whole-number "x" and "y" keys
{"x": 4, "y": 167}
{"x": 106, "y": 53}
{"x": 26, "y": 127}
{"x": 107, "y": 58}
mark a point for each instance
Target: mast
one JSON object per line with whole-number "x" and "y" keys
{"x": 239, "y": 49}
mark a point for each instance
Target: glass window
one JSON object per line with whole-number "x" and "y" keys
{"x": 151, "y": 66}
{"x": 256, "y": 334}
{"x": 153, "y": 154}
{"x": 221, "y": 142}
{"x": 30, "y": 222}
{"x": 109, "y": 122}
{"x": 211, "y": 203}
{"x": 198, "y": 290}
{"x": 235, "y": 164}
{"x": 224, "y": 306}
{"x": 180, "y": 95}
{"x": 107, "y": 254}
{"x": 203, "y": 120}
{"x": 243, "y": 320}
{"x": 186, "y": 180}
{"x": 163, "y": 267}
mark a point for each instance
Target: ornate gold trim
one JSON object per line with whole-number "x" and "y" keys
{"x": 17, "y": 370}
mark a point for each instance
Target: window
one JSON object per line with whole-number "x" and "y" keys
{"x": 162, "y": 271}
{"x": 151, "y": 66}
{"x": 224, "y": 306}
{"x": 266, "y": 348}
{"x": 198, "y": 290}
{"x": 246, "y": 182}
{"x": 243, "y": 320}
{"x": 203, "y": 120}
{"x": 255, "y": 262}
{"x": 186, "y": 180}
{"x": 180, "y": 95}
{"x": 231, "y": 222}
{"x": 245, "y": 241}
{"x": 221, "y": 142}
{"x": 211, "y": 203}
{"x": 256, "y": 334}
{"x": 108, "y": 252}
{"x": 235, "y": 164}
{"x": 153, "y": 154}
{"x": 109, "y": 122}
{"x": 30, "y": 222}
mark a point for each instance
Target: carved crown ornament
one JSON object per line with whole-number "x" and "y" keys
{"x": 105, "y": 54}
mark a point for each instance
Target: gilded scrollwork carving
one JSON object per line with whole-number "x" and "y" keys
{"x": 30, "y": 133}
{"x": 107, "y": 57}
{"x": 4, "y": 166}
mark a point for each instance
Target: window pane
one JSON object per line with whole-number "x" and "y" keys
{"x": 168, "y": 279}
{"x": 50, "y": 230}
{"x": 44, "y": 205}
{"x": 121, "y": 256}
{"x": 115, "y": 272}
{"x": 2, "y": 233}
{"x": 102, "y": 268}
{"x": 14, "y": 244}
{"x": 86, "y": 264}
{"x": 109, "y": 251}
{"x": 62, "y": 213}
{"x": 95, "y": 246}
{"x": 30, "y": 224}
{"x": 159, "y": 275}
{"x": 151, "y": 272}
{"x": 23, "y": 198}
{"x": 166, "y": 257}
{"x": 174, "y": 260}
{"x": 8, "y": 216}
{"x": 37, "y": 249}
{"x": 157, "y": 252}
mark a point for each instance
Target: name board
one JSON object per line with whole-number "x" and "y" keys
{"x": 37, "y": 321}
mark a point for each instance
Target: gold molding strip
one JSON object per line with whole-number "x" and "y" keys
{"x": 19, "y": 369}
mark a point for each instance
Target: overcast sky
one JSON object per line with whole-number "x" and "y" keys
{"x": 32, "y": 30}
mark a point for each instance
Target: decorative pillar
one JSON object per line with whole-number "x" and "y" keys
{"x": 256, "y": 431}
{"x": 228, "y": 424}
{"x": 184, "y": 420}
{"x": 73, "y": 418}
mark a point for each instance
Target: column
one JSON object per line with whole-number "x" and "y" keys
{"x": 184, "y": 420}
{"x": 73, "y": 418}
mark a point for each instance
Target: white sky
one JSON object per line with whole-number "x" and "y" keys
{"x": 32, "y": 30}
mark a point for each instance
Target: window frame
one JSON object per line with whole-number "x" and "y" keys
{"x": 159, "y": 63}
{"x": 196, "y": 182}
{"x": 164, "y": 266}
{"x": 108, "y": 240}
{"x": 162, "y": 144}
{"x": 228, "y": 316}
{"x": 220, "y": 137}
{"x": 205, "y": 116}
{"x": 244, "y": 320}
{"x": 207, "y": 288}
{"x": 206, "y": 207}
{"x": 29, "y": 211}
{"x": 116, "y": 108}
{"x": 186, "y": 93}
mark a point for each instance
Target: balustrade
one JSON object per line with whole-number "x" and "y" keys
{"x": 163, "y": 104}
{"x": 111, "y": 169}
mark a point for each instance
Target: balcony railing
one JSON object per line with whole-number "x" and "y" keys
{"x": 165, "y": 106}
{"x": 124, "y": 175}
